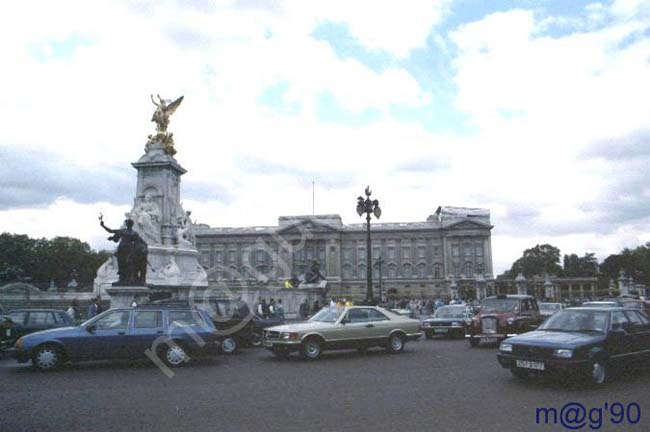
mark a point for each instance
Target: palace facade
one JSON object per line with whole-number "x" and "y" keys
{"x": 448, "y": 255}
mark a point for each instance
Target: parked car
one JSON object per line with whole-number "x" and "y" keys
{"x": 605, "y": 303}
{"x": 172, "y": 334}
{"x": 449, "y": 321}
{"x": 7, "y": 338}
{"x": 584, "y": 342}
{"x": 502, "y": 316}
{"x": 28, "y": 321}
{"x": 548, "y": 309}
{"x": 359, "y": 327}
{"x": 236, "y": 324}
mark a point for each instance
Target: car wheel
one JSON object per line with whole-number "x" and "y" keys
{"x": 396, "y": 343}
{"x": 311, "y": 349}
{"x": 256, "y": 340}
{"x": 473, "y": 342}
{"x": 598, "y": 372}
{"x": 229, "y": 345}
{"x": 175, "y": 356}
{"x": 519, "y": 373}
{"x": 47, "y": 357}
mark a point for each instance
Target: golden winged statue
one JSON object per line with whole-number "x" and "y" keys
{"x": 164, "y": 108}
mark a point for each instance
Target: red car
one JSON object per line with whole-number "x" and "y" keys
{"x": 503, "y": 316}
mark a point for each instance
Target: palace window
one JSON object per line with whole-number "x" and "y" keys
{"x": 407, "y": 271}
{"x": 421, "y": 252}
{"x": 347, "y": 271}
{"x": 406, "y": 252}
{"x": 436, "y": 271}
{"x": 469, "y": 270}
{"x": 479, "y": 250}
{"x": 455, "y": 251}
{"x": 422, "y": 271}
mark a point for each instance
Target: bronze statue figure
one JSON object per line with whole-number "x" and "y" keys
{"x": 131, "y": 254}
{"x": 164, "y": 108}
{"x": 313, "y": 274}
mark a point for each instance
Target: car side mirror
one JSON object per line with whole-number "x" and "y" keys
{"x": 345, "y": 320}
{"x": 90, "y": 328}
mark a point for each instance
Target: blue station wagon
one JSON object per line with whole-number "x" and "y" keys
{"x": 171, "y": 335}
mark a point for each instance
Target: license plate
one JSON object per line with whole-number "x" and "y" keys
{"x": 440, "y": 330}
{"x": 530, "y": 365}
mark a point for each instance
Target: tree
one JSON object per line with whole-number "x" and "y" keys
{"x": 42, "y": 260}
{"x": 537, "y": 261}
{"x": 585, "y": 266}
{"x": 635, "y": 263}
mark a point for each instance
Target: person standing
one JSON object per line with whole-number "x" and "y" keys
{"x": 265, "y": 309}
{"x": 74, "y": 311}
{"x": 280, "y": 309}
{"x": 94, "y": 308}
{"x": 272, "y": 308}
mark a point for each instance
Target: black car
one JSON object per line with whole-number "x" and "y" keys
{"x": 239, "y": 325}
{"x": 26, "y": 321}
{"x": 7, "y": 338}
{"x": 235, "y": 323}
{"x": 580, "y": 342}
{"x": 450, "y": 321}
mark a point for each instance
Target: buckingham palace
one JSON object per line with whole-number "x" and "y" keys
{"x": 447, "y": 255}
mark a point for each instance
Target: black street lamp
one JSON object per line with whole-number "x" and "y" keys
{"x": 368, "y": 207}
{"x": 378, "y": 262}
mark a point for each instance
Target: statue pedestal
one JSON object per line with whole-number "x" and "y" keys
{"x": 123, "y": 296}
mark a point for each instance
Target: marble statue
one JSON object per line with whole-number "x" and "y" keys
{"x": 147, "y": 218}
{"x": 184, "y": 231}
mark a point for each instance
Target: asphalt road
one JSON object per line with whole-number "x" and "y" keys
{"x": 433, "y": 385}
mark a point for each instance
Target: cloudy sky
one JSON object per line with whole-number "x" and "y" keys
{"x": 536, "y": 110}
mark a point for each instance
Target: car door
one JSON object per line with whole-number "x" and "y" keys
{"x": 380, "y": 324}
{"x": 620, "y": 343}
{"x": 640, "y": 332}
{"x": 106, "y": 336}
{"x": 146, "y": 327}
{"x": 356, "y": 329}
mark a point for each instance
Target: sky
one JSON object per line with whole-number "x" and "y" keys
{"x": 536, "y": 110}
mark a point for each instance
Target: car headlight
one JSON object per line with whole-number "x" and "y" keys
{"x": 426, "y": 324}
{"x": 563, "y": 353}
{"x": 505, "y": 347}
{"x": 19, "y": 343}
{"x": 456, "y": 324}
{"x": 289, "y": 336}
{"x": 511, "y": 321}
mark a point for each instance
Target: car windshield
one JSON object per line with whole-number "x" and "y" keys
{"x": 549, "y": 306}
{"x": 499, "y": 305}
{"x": 450, "y": 312}
{"x": 599, "y": 304}
{"x": 329, "y": 314}
{"x": 577, "y": 321}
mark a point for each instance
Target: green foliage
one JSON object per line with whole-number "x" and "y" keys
{"x": 537, "y": 261}
{"x": 635, "y": 263}
{"x": 585, "y": 266}
{"x": 42, "y": 260}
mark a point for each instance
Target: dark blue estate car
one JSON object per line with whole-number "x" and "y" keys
{"x": 585, "y": 342}
{"x": 168, "y": 334}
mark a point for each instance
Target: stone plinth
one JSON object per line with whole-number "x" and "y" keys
{"x": 123, "y": 296}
